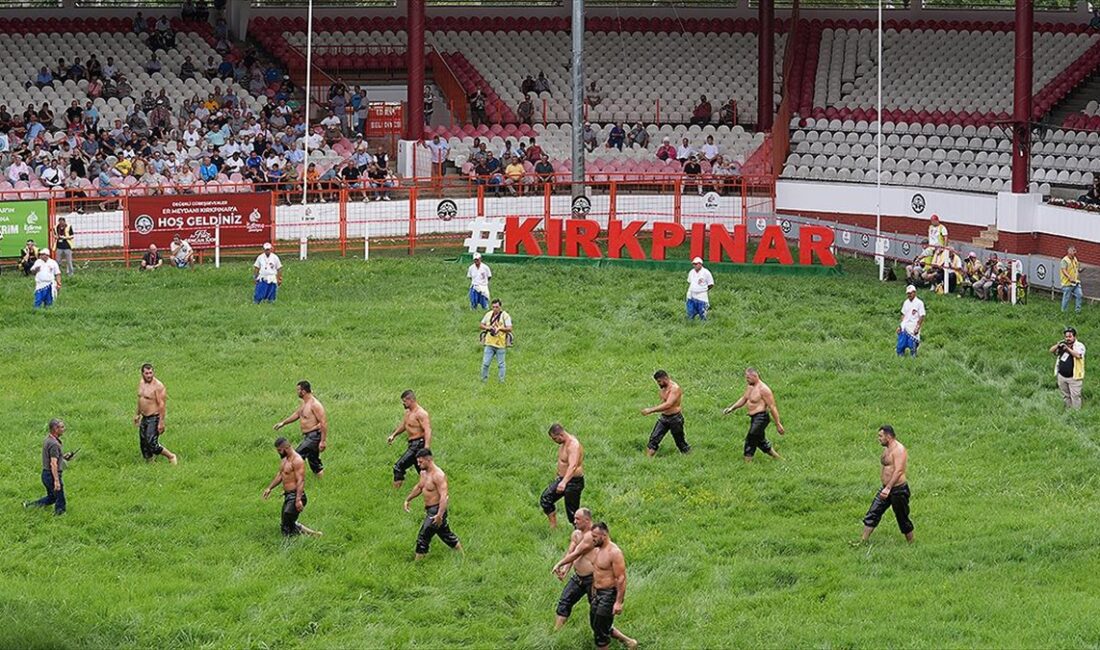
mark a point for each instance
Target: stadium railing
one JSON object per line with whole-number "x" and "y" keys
{"x": 428, "y": 214}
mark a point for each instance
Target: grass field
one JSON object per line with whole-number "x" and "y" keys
{"x": 719, "y": 554}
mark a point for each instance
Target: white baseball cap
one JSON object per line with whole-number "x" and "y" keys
{"x": 910, "y": 289}
{"x": 477, "y": 256}
{"x": 267, "y": 246}
{"x": 697, "y": 260}
{"x": 45, "y": 250}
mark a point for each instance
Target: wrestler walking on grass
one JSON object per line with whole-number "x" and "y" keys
{"x": 671, "y": 418}
{"x": 152, "y": 406}
{"x": 314, "y": 423}
{"x": 570, "y": 481}
{"x": 437, "y": 499}
{"x": 895, "y": 487}
{"x": 292, "y": 474}
{"x": 760, "y": 402}
{"x": 418, "y": 426}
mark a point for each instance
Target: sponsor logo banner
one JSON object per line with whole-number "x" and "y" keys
{"x": 20, "y": 221}
{"x": 245, "y": 219}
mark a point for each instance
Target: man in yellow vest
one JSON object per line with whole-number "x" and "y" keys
{"x": 496, "y": 332}
{"x": 1070, "y": 273}
{"x": 1069, "y": 367}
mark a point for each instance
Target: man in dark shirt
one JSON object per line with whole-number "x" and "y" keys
{"x": 151, "y": 260}
{"x": 694, "y": 173}
{"x": 64, "y": 234}
{"x": 702, "y": 113}
{"x": 52, "y": 466}
{"x": 544, "y": 170}
{"x": 28, "y": 255}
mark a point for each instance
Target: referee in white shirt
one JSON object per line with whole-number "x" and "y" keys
{"x": 700, "y": 282}
{"x": 47, "y": 279}
{"x": 479, "y": 275}
{"x": 268, "y": 274}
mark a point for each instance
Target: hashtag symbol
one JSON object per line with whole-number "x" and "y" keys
{"x": 485, "y": 234}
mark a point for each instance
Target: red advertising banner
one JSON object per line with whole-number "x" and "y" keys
{"x": 383, "y": 119}
{"x": 245, "y": 219}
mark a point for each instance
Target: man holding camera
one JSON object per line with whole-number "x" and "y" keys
{"x": 1069, "y": 367}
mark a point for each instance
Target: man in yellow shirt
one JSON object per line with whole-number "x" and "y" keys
{"x": 496, "y": 332}
{"x": 1070, "y": 273}
{"x": 514, "y": 174}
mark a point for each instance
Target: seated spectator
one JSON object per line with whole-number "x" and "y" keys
{"x": 1003, "y": 280}
{"x": 151, "y": 260}
{"x": 210, "y": 71}
{"x": 592, "y": 96}
{"x": 729, "y": 113}
{"x": 208, "y": 171}
{"x": 276, "y": 178}
{"x": 684, "y": 151}
{"x": 95, "y": 68}
{"x": 710, "y": 150}
{"x": 914, "y": 273}
{"x": 542, "y": 84}
{"x": 616, "y": 137}
{"x": 588, "y": 137}
{"x": 702, "y": 113}
{"x": 724, "y": 174}
{"x": 95, "y": 88}
{"x": 693, "y": 173}
{"x": 350, "y": 174}
{"x": 110, "y": 70}
{"x": 528, "y": 85}
{"x": 50, "y": 175}
{"x": 44, "y": 78}
{"x": 526, "y": 111}
{"x": 74, "y": 115}
{"x": 182, "y": 254}
{"x": 76, "y": 71}
{"x": 534, "y": 151}
{"x": 28, "y": 255}
{"x": 1092, "y": 197}
{"x": 153, "y": 64}
{"x": 381, "y": 181}
{"x": 515, "y": 176}
{"x": 18, "y": 170}
{"x": 973, "y": 270}
{"x": 544, "y": 170}
{"x": 638, "y": 136}
{"x": 666, "y": 151}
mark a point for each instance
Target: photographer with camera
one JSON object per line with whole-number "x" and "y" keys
{"x": 1069, "y": 367}
{"x": 496, "y": 334}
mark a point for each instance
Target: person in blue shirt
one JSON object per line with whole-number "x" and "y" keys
{"x": 616, "y": 137}
{"x": 34, "y": 128}
{"x": 225, "y": 70}
{"x": 45, "y": 78}
{"x": 208, "y": 171}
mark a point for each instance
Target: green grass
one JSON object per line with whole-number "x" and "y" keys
{"x": 719, "y": 554}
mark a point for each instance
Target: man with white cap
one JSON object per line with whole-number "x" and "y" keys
{"x": 937, "y": 233}
{"x": 700, "y": 282}
{"x": 47, "y": 279}
{"x": 912, "y": 318}
{"x": 479, "y": 275}
{"x": 267, "y": 272}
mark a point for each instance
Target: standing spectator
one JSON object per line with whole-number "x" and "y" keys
{"x": 151, "y": 260}
{"x": 268, "y": 275}
{"x": 616, "y": 137}
{"x": 479, "y": 275}
{"x": 53, "y": 465}
{"x": 702, "y": 113}
{"x": 1069, "y": 367}
{"x": 429, "y": 104}
{"x": 64, "y": 234}
{"x": 477, "y": 108}
{"x": 47, "y": 279}
{"x": 912, "y": 318}
{"x": 182, "y": 254}
{"x": 937, "y": 233}
{"x": 700, "y": 282}
{"x": 526, "y": 111}
{"x": 1070, "y": 274}
{"x": 439, "y": 149}
{"x": 666, "y": 151}
{"x": 638, "y": 136}
{"x": 496, "y": 334}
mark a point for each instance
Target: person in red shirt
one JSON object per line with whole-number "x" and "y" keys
{"x": 666, "y": 151}
{"x": 534, "y": 152}
{"x": 702, "y": 113}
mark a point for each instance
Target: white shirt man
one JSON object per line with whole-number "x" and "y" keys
{"x": 479, "y": 275}
{"x": 191, "y": 137}
{"x": 700, "y": 282}
{"x": 710, "y": 150}
{"x": 912, "y": 318}
{"x": 268, "y": 271}
{"x": 47, "y": 277}
{"x": 439, "y": 150}
{"x": 181, "y": 252}
{"x": 937, "y": 233}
